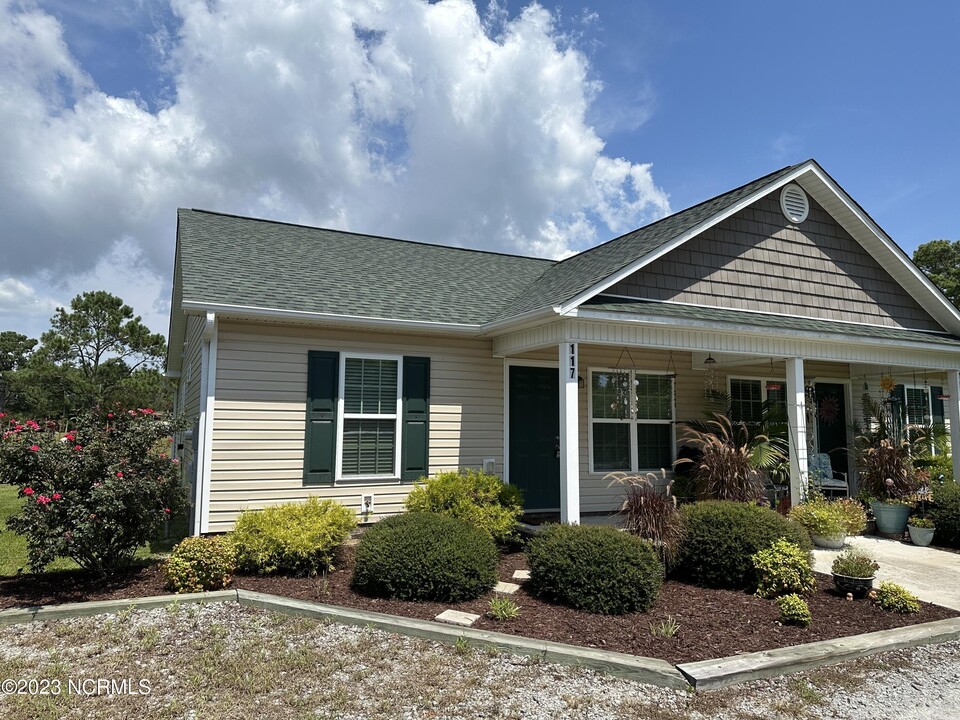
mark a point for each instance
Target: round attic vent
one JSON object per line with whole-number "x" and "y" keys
{"x": 794, "y": 203}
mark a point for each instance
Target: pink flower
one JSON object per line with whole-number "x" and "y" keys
{"x": 35, "y": 448}
{"x": 28, "y": 491}
{"x": 70, "y": 436}
{"x": 57, "y": 496}
{"x": 32, "y": 424}
{"x": 119, "y": 474}
{"x": 3, "y": 415}
{"x": 132, "y": 413}
{"x": 78, "y": 447}
{"x": 43, "y": 500}
{"x": 167, "y": 510}
{"x": 175, "y": 461}
{"x": 109, "y": 415}
{"x": 146, "y": 411}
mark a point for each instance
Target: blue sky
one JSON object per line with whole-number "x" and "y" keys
{"x": 504, "y": 126}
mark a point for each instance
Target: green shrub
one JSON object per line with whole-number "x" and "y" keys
{"x": 722, "y": 536}
{"x": 945, "y": 513}
{"x": 828, "y": 518}
{"x": 895, "y": 598}
{"x": 425, "y": 556}
{"x": 299, "y": 538}
{"x": 783, "y": 569}
{"x": 794, "y": 610}
{"x": 594, "y": 568}
{"x": 855, "y": 563}
{"x": 200, "y": 564}
{"x": 93, "y": 494}
{"x": 481, "y": 499}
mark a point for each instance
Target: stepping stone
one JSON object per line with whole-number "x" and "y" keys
{"x": 455, "y": 617}
{"x": 521, "y": 574}
{"x": 505, "y": 587}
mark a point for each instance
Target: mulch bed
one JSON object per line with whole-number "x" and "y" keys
{"x": 713, "y": 623}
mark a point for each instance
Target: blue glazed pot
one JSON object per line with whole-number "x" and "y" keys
{"x": 891, "y": 518}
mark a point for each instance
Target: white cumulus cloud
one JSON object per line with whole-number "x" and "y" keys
{"x": 396, "y": 117}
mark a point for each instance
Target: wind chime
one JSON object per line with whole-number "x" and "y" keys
{"x": 711, "y": 382}
{"x": 622, "y": 387}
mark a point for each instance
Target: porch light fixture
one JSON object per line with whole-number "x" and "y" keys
{"x": 581, "y": 383}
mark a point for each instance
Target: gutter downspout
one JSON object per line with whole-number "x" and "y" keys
{"x": 204, "y": 453}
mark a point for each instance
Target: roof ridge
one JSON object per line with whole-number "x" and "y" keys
{"x": 368, "y": 235}
{"x": 686, "y": 209}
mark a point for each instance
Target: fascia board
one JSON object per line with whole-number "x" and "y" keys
{"x": 247, "y": 312}
{"x": 943, "y": 308}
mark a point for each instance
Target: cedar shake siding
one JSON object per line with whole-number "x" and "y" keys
{"x": 757, "y": 260}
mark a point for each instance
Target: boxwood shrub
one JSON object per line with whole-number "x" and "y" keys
{"x": 945, "y": 513}
{"x": 723, "y": 535}
{"x": 594, "y": 568}
{"x": 425, "y": 556}
{"x": 298, "y": 538}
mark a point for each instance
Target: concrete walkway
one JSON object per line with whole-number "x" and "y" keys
{"x": 933, "y": 575}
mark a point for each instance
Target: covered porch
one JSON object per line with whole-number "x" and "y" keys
{"x": 566, "y": 426}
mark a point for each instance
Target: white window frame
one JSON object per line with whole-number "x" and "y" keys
{"x": 631, "y": 420}
{"x": 906, "y": 401}
{"x": 763, "y": 384}
{"x": 343, "y": 415}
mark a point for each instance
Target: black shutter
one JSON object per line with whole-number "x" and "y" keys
{"x": 414, "y": 462}
{"x": 937, "y": 404}
{"x": 321, "y": 440}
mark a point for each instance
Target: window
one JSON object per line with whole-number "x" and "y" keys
{"x": 370, "y": 421}
{"x": 747, "y": 396}
{"x": 631, "y": 421}
{"x": 918, "y": 405}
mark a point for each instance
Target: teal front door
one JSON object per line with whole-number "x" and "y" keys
{"x": 535, "y": 435}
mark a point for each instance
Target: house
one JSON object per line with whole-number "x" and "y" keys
{"x": 320, "y": 362}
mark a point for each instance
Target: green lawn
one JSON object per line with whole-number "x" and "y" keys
{"x": 13, "y": 548}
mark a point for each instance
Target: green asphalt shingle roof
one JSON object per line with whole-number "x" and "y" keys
{"x": 231, "y": 260}
{"x": 650, "y": 308}
{"x": 567, "y": 279}
{"x": 257, "y": 263}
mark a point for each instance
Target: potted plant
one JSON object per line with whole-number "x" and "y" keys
{"x": 887, "y": 472}
{"x": 854, "y": 572}
{"x": 921, "y": 530}
{"x": 828, "y": 522}
{"x": 888, "y": 454}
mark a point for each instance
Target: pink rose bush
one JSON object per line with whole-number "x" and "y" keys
{"x": 79, "y": 503}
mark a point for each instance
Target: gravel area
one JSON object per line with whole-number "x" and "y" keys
{"x": 227, "y": 661}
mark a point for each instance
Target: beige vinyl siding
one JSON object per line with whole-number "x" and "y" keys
{"x": 259, "y": 416}
{"x": 596, "y": 493}
{"x": 190, "y": 372}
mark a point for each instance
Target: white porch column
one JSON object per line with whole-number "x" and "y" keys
{"x": 569, "y": 436}
{"x": 797, "y": 430}
{"x": 953, "y": 411}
